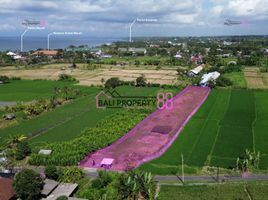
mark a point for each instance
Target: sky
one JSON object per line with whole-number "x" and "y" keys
{"x": 112, "y": 18}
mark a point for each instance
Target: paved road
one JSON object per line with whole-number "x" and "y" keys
{"x": 92, "y": 173}
{"x": 212, "y": 178}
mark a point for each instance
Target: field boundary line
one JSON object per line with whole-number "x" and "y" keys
{"x": 218, "y": 131}
{"x": 45, "y": 130}
{"x": 247, "y": 192}
{"x": 201, "y": 130}
{"x": 225, "y": 158}
{"x": 253, "y": 124}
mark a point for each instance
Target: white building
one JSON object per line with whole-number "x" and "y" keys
{"x": 11, "y": 54}
{"x": 178, "y": 56}
{"x": 212, "y": 76}
{"x": 195, "y": 71}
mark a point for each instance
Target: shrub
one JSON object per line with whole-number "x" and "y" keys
{"x": 141, "y": 81}
{"x": 263, "y": 69}
{"x": 223, "y": 82}
{"x": 4, "y": 79}
{"x": 62, "y": 198}
{"x": 104, "y": 180}
{"x": 52, "y": 172}
{"x": 15, "y": 78}
{"x": 66, "y": 77}
{"x": 112, "y": 83}
{"x": 72, "y": 175}
{"x": 23, "y": 150}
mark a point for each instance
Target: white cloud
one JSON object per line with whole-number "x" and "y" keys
{"x": 102, "y": 15}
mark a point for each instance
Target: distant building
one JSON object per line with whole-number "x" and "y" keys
{"x": 18, "y": 57}
{"x": 137, "y": 50}
{"x": 83, "y": 48}
{"x": 154, "y": 46}
{"x": 226, "y": 55}
{"x": 45, "y": 52}
{"x": 15, "y": 56}
{"x": 195, "y": 71}
{"x": 232, "y": 63}
{"x": 197, "y": 59}
{"x": 106, "y": 56}
{"x": 122, "y": 49}
{"x": 10, "y": 53}
{"x": 178, "y": 56}
{"x": 133, "y": 50}
{"x": 206, "y": 78}
{"x": 184, "y": 45}
{"x": 227, "y": 43}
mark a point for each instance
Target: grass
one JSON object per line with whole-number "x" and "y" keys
{"x": 237, "y": 79}
{"x": 227, "y": 124}
{"x": 28, "y": 90}
{"x": 231, "y": 191}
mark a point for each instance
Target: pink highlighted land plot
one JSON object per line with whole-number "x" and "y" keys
{"x": 152, "y": 136}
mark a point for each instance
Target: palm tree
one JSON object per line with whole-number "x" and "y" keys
{"x": 13, "y": 140}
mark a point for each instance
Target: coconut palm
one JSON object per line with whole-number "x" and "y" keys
{"x": 13, "y": 140}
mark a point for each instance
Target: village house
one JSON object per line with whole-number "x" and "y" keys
{"x": 49, "y": 53}
{"x": 195, "y": 71}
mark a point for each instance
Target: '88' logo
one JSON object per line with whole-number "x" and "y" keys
{"x": 165, "y": 100}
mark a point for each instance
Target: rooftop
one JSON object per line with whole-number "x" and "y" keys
{"x": 63, "y": 189}
{"x": 49, "y": 186}
{"x": 46, "y": 52}
{"x": 6, "y": 189}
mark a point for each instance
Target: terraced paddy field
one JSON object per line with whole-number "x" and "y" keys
{"x": 65, "y": 122}
{"x": 227, "y": 124}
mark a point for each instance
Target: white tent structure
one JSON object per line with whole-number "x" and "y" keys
{"x": 212, "y": 76}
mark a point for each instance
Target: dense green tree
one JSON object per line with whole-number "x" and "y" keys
{"x": 112, "y": 83}
{"x": 141, "y": 81}
{"x": 23, "y": 150}
{"x": 28, "y": 184}
{"x": 52, "y": 172}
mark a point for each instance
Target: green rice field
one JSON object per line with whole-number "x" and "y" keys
{"x": 231, "y": 191}
{"x": 28, "y": 90}
{"x": 227, "y": 124}
{"x": 65, "y": 122}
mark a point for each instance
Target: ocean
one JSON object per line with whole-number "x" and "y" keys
{"x": 33, "y": 43}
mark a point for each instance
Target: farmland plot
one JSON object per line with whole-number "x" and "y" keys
{"x": 227, "y": 124}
